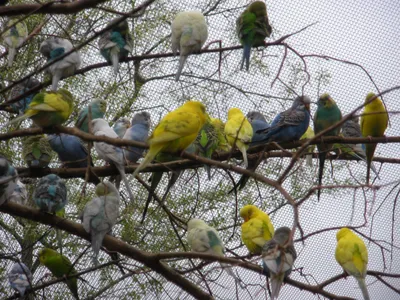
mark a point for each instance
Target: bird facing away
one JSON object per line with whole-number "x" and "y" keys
{"x": 20, "y": 106}
{"x": 50, "y": 194}
{"x": 55, "y": 47}
{"x": 20, "y": 194}
{"x": 100, "y": 215}
{"x": 98, "y": 108}
{"x": 121, "y": 126}
{"x": 327, "y": 114}
{"x": 116, "y": 44}
{"x": 20, "y": 278}
{"x": 138, "y": 132}
{"x": 205, "y": 239}
{"x": 14, "y": 37}
{"x": 60, "y": 266}
{"x": 257, "y": 228}
{"x": 278, "y": 256}
{"x": 189, "y": 33}
{"x": 219, "y": 126}
{"x": 8, "y": 179}
{"x": 374, "y": 122}
{"x": 352, "y": 255}
{"x": 252, "y": 27}
{"x": 36, "y": 151}
{"x": 238, "y": 132}
{"x": 176, "y": 131}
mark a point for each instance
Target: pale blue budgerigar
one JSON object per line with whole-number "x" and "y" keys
{"x": 205, "y": 239}
{"x": 116, "y": 44}
{"x": 8, "y": 179}
{"x": 108, "y": 152}
{"x": 100, "y": 215}
{"x": 121, "y": 126}
{"x": 138, "y": 132}
{"x": 14, "y": 37}
{"x": 50, "y": 194}
{"x": 20, "y": 194}
{"x": 53, "y": 48}
{"x": 20, "y": 278}
{"x": 278, "y": 256}
{"x": 97, "y": 108}
{"x": 36, "y": 151}
{"x": 20, "y": 106}
{"x": 189, "y": 33}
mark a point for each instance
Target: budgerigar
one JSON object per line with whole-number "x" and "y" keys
{"x": 53, "y": 48}
{"x": 60, "y": 266}
{"x": 110, "y": 153}
{"x": 36, "y": 151}
{"x": 20, "y": 194}
{"x": 205, "y": 239}
{"x": 8, "y": 179}
{"x": 327, "y": 114}
{"x": 189, "y": 33}
{"x": 20, "y": 278}
{"x": 252, "y": 27}
{"x": 97, "y": 108}
{"x": 48, "y": 109}
{"x": 278, "y": 256}
{"x": 374, "y": 122}
{"x": 50, "y": 194}
{"x": 116, "y": 44}
{"x": 20, "y": 106}
{"x": 257, "y": 228}
{"x": 121, "y": 126}
{"x": 309, "y": 134}
{"x": 219, "y": 126}
{"x": 176, "y": 131}
{"x": 100, "y": 215}
{"x": 14, "y": 37}
{"x": 352, "y": 255}
{"x": 139, "y": 132}
{"x": 238, "y": 132}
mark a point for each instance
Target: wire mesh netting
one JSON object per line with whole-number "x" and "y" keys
{"x": 344, "y": 49}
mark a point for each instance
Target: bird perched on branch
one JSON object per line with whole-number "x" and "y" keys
{"x": 138, "y": 132}
{"x": 100, "y": 215}
{"x": 374, "y": 122}
{"x": 50, "y": 194}
{"x": 238, "y": 132}
{"x": 20, "y": 278}
{"x": 20, "y": 106}
{"x": 176, "y": 131}
{"x": 14, "y": 37}
{"x": 60, "y": 266}
{"x": 8, "y": 179}
{"x": 121, "y": 126}
{"x": 278, "y": 256}
{"x": 327, "y": 114}
{"x": 53, "y": 48}
{"x": 97, "y": 108}
{"x": 20, "y": 194}
{"x": 352, "y": 255}
{"x": 252, "y": 27}
{"x": 48, "y": 109}
{"x": 36, "y": 151}
{"x": 309, "y": 134}
{"x": 189, "y": 33}
{"x": 219, "y": 126}
{"x": 116, "y": 44}
{"x": 257, "y": 228}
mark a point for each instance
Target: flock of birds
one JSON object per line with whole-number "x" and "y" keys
{"x": 188, "y": 128}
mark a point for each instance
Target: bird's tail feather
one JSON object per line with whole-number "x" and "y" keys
{"x": 115, "y": 62}
{"x": 309, "y": 160}
{"x": 11, "y": 54}
{"x": 208, "y": 170}
{"x": 59, "y": 239}
{"x": 182, "y": 60}
{"x": 151, "y": 154}
{"x": 55, "y": 79}
{"x": 363, "y": 287}
{"x": 243, "y": 149}
{"x": 246, "y": 57}
{"x": 230, "y": 272}
{"x": 155, "y": 180}
{"x": 121, "y": 170}
{"x": 322, "y": 156}
{"x": 276, "y": 284}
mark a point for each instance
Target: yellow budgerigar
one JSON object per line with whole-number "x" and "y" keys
{"x": 238, "y": 131}
{"x": 352, "y": 255}
{"x": 309, "y": 134}
{"x": 222, "y": 141}
{"x": 257, "y": 228}
{"x": 176, "y": 131}
{"x": 374, "y": 121}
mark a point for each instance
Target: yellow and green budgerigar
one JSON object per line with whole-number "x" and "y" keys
{"x": 14, "y": 37}
{"x": 219, "y": 126}
{"x": 176, "y": 131}
{"x": 352, "y": 255}
{"x": 374, "y": 122}
{"x": 36, "y": 151}
{"x": 257, "y": 228}
{"x": 48, "y": 109}
{"x": 59, "y": 266}
{"x": 239, "y": 132}
{"x": 309, "y": 134}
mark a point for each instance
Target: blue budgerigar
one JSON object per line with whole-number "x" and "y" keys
{"x": 20, "y": 194}
{"x": 8, "y": 179}
{"x": 14, "y": 37}
{"x": 101, "y": 214}
{"x": 121, "y": 126}
{"x": 36, "y": 151}
{"x": 20, "y": 278}
{"x": 50, "y": 194}
{"x": 53, "y": 48}
{"x": 98, "y": 108}
{"x": 139, "y": 132}
{"x": 116, "y": 44}
{"x": 20, "y": 106}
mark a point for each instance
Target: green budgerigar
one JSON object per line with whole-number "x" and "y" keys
{"x": 97, "y": 109}
{"x": 14, "y": 37}
{"x": 219, "y": 126}
{"x": 252, "y": 27}
{"x": 59, "y": 266}
{"x": 327, "y": 114}
{"x": 36, "y": 151}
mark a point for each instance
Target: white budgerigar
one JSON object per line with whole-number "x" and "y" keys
{"x": 204, "y": 238}
{"x": 20, "y": 278}
{"x": 101, "y": 214}
{"x": 8, "y": 179}
{"x": 20, "y": 194}
{"x": 108, "y": 152}
{"x": 54, "y": 47}
{"x": 189, "y": 33}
